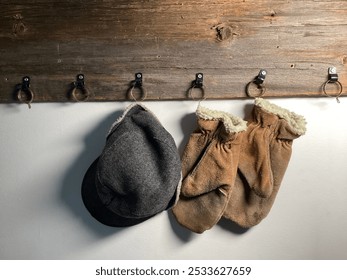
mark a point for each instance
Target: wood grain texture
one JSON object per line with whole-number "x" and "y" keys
{"x": 169, "y": 41}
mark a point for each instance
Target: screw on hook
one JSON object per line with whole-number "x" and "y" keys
{"x": 199, "y": 80}
{"x": 261, "y": 77}
{"x": 79, "y": 83}
{"x": 138, "y": 80}
{"x": 332, "y": 73}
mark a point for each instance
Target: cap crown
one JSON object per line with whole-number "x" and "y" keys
{"x": 139, "y": 169}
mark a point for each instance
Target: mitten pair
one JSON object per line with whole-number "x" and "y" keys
{"x": 232, "y": 168}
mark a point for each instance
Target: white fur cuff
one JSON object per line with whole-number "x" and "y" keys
{"x": 296, "y": 122}
{"x": 232, "y": 123}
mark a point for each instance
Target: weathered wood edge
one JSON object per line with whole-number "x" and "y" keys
{"x": 287, "y": 38}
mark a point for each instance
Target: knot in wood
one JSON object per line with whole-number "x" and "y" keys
{"x": 225, "y": 31}
{"x": 18, "y": 27}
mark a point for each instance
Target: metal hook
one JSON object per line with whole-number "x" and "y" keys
{"x": 333, "y": 78}
{"x": 79, "y": 85}
{"x": 258, "y": 81}
{"x": 137, "y": 83}
{"x": 197, "y": 83}
{"x": 24, "y": 93}
{"x": 138, "y": 80}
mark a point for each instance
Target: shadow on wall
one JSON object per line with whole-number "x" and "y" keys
{"x": 71, "y": 188}
{"x": 188, "y": 124}
{"x": 231, "y": 226}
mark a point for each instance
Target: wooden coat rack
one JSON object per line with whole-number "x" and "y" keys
{"x": 53, "y": 42}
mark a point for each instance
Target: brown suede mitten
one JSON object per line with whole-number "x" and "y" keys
{"x": 209, "y": 165}
{"x": 265, "y": 153}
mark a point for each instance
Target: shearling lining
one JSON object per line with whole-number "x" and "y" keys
{"x": 233, "y": 124}
{"x": 296, "y": 122}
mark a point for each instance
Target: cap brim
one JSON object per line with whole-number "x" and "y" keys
{"x": 95, "y": 207}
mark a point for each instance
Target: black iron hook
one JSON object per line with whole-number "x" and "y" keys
{"x": 333, "y": 78}
{"x": 79, "y": 85}
{"x": 258, "y": 80}
{"x": 197, "y": 83}
{"x": 137, "y": 83}
{"x": 24, "y": 93}
{"x": 199, "y": 80}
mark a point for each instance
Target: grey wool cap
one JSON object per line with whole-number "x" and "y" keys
{"x": 138, "y": 173}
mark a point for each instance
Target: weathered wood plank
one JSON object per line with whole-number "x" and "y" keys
{"x": 170, "y": 41}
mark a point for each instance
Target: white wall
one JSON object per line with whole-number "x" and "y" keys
{"x": 45, "y": 152}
